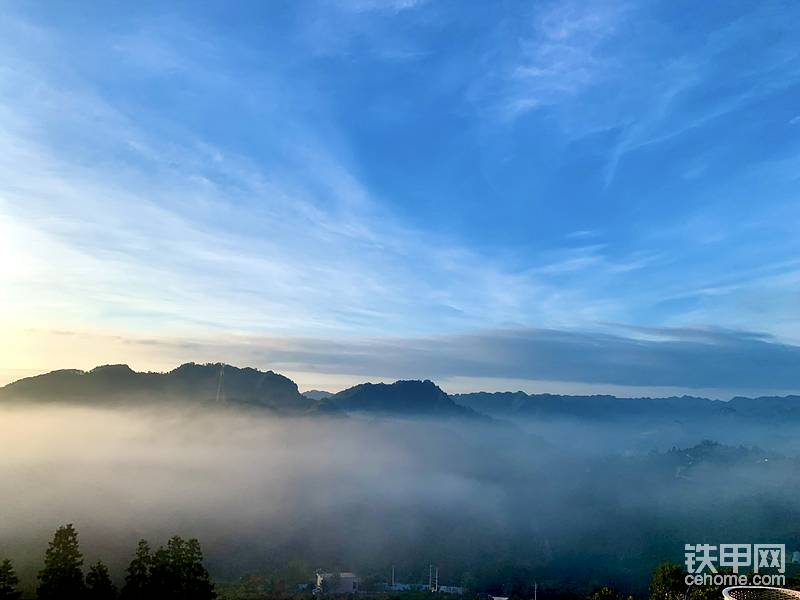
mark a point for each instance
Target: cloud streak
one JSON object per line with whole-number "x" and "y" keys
{"x": 629, "y": 361}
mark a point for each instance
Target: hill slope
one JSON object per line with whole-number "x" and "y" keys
{"x": 208, "y": 383}
{"x": 401, "y": 398}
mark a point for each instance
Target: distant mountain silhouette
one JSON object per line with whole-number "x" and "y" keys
{"x": 779, "y": 406}
{"x": 317, "y": 394}
{"x": 409, "y": 398}
{"x": 217, "y": 383}
{"x": 207, "y": 383}
{"x": 519, "y": 405}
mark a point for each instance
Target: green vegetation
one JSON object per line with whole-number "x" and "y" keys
{"x": 8, "y": 581}
{"x": 608, "y": 593}
{"x": 62, "y": 576}
{"x": 176, "y": 572}
{"x": 98, "y": 583}
{"x": 668, "y": 583}
{"x": 137, "y": 579}
{"x": 173, "y": 572}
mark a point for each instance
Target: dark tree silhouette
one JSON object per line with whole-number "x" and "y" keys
{"x": 62, "y": 576}
{"x": 667, "y": 582}
{"x": 8, "y": 582}
{"x": 98, "y": 583}
{"x": 607, "y": 593}
{"x": 177, "y": 572}
{"x": 137, "y": 578}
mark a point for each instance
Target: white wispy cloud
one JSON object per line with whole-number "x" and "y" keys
{"x": 132, "y": 223}
{"x": 562, "y": 55}
{"x": 117, "y": 213}
{"x": 591, "y": 67}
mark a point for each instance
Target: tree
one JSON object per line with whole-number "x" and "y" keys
{"x": 667, "y": 582}
{"x": 606, "y": 593}
{"x": 137, "y": 578}
{"x": 177, "y": 572}
{"x": 62, "y": 576}
{"x": 8, "y": 581}
{"x": 98, "y": 583}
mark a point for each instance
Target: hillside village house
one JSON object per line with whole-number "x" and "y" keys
{"x": 337, "y": 583}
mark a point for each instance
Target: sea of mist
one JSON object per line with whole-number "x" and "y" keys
{"x": 488, "y": 502}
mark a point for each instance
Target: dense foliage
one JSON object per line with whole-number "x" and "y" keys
{"x": 8, "y": 581}
{"x": 176, "y": 572}
{"x": 98, "y": 583}
{"x": 173, "y": 572}
{"x": 62, "y": 576}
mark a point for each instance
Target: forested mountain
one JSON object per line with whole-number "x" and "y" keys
{"x": 208, "y": 383}
{"x": 423, "y": 398}
{"x": 226, "y": 384}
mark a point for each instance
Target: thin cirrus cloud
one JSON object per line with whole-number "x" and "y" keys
{"x": 593, "y": 65}
{"x": 182, "y": 224}
{"x": 343, "y": 172}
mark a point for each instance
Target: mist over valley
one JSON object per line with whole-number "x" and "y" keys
{"x": 570, "y": 491}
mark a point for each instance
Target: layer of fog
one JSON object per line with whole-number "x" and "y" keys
{"x": 486, "y": 502}
{"x": 636, "y": 436}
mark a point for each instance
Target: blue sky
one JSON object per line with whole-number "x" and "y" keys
{"x": 335, "y": 189}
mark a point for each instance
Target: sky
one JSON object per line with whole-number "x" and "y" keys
{"x": 548, "y": 196}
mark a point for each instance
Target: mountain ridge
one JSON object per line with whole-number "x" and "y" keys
{"x": 605, "y": 406}
{"x": 201, "y": 383}
{"x": 218, "y": 383}
{"x": 211, "y": 383}
{"x": 403, "y": 397}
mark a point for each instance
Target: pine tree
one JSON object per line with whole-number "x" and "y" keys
{"x": 137, "y": 579}
{"x": 198, "y": 580}
{"x": 178, "y": 572}
{"x": 98, "y": 583}
{"x": 62, "y": 576}
{"x": 8, "y": 582}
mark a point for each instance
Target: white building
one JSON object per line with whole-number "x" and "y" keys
{"x": 337, "y": 583}
{"x": 450, "y": 589}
